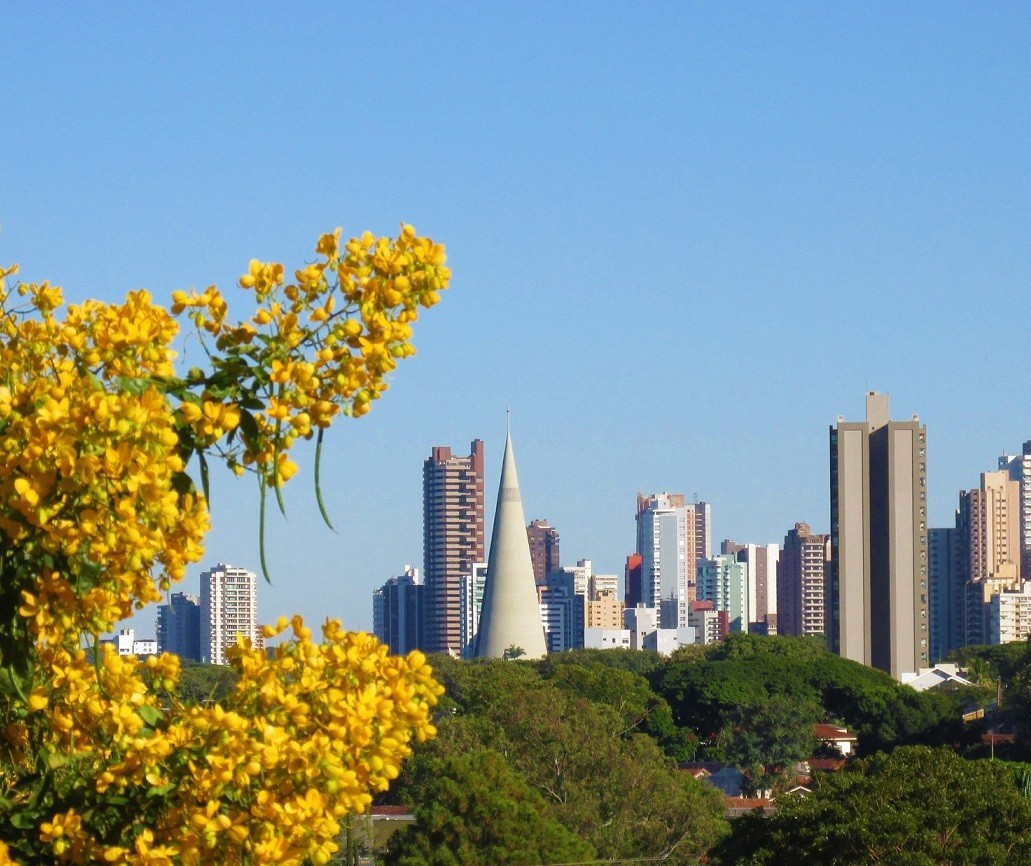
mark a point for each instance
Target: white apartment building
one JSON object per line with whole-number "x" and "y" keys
{"x": 1009, "y": 615}
{"x": 472, "y": 601}
{"x": 229, "y": 607}
{"x": 724, "y": 581}
{"x": 661, "y": 541}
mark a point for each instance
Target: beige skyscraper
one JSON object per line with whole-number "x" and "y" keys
{"x": 452, "y": 488}
{"x": 879, "y": 566}
{"x": 989, "y": 522}
{"x": 511, "y": 616}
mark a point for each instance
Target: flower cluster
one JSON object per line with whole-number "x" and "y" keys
{"x": 98, "y": 514}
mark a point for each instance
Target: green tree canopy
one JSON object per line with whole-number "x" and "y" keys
{"x": 917, "y": 806}
{"x": 476, "y": 810}
{"x": 748, "y": 670}
{"x": 608, "y": 785}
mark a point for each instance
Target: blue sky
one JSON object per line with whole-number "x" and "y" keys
{"x": 685, "y": 238}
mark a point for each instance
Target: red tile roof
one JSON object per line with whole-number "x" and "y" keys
{"x": 832, "y": 732}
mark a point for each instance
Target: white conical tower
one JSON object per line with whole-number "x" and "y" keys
{"x": 510, "y": 616}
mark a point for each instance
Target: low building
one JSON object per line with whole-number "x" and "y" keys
{"x": 127, "y": 644}
{"x": 943, "y": 677}
{"x": 839, "y": 738}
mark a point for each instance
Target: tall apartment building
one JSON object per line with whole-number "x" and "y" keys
{"x": 544, "y": 548}
{"x": 948, "y": 579}
{"x": 473, "y": 585}
{"x": 633, "y": 594}
{"x": 802, "y": 572}
{"x": 574, "y": 598}
{"x": 989, "y": 524}
{"x": 562, "y": 611}
{"x": 1009, "y": 615}
{"x": 879, "y": 557}
{"x": 761, "y": 562}
{"x": 603, "y": 610}
{"x": 723, "y": 580}
{"x": 1019, "y": 468}
{"x": 178, "y": 626}
{"x": 397, "y": 612}
{"x": 672, "y": 535}
{"x": 229, "y": 607}
{"x": 452, "y": 489}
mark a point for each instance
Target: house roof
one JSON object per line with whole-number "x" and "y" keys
{"x": 737, "y": 806}
{"x": 936, "y": 677}
{"x": 826, "y": 765}
{"x": 833, "y": 733}
{"x": 391, "y": 812}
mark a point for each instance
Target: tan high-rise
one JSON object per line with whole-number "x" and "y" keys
{"x": 879, "y": 537}
{"x": 452, "y": 489}
{"x": 989, "y": 522}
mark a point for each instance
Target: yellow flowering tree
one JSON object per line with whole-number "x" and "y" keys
{"x": 102, "y": 441}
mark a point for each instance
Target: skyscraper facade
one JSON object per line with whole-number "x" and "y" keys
{"x": 397, "y": 612}
{"x": 761, "y": 561}
{"x": 229, "y": 607}
{"x": 1019, "y": 468}
{"x": 879, "y": 556}
{"x": 723, "y": 580}
{"x": 802, "y": 572}
{"x": 947, "y": 577}
{"x": 473, "y": 585}
{"x": 452, "y": 541}
{"x": 672, "y": 536}
{"x": 989, "y": 525}
{"x": 632, "y": 591}
{"x": 544, "y": 548}
{"x": 178, "y": 626}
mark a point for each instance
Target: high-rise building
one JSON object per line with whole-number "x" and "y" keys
{"x": 948, "y": 579}
{"x": 710, "y": 625}
{"x": 543, "y": 548}
{"x": 672, "y": 535}
{"x": 452, "y": 489}
{"x": 993, "y": 523}
{"x": 473, "y": 585}
{"x": 802, "y": 572}
{"x": 1009, "y": 615}
{"x": 229, "y": 607}
{"x": 1019, "y": 468}
{"x": 632, "y": 593}
{"x": 723, "y": 580}
{"x": 397, "y": 612}
{"x": 603, "y": 610}
{"x": 989, "y": 525}
{"x": 178, "y": 626}
{"x": 761, "y": 561}
{"x": 879, "y": 567}
{"x": 562, "y": 611}
{"x": 510, "y": 618}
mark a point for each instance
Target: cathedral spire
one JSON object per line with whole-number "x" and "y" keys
{"x": 510, "y": 618}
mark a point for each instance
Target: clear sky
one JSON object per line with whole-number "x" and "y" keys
{"x": 685, "y": 238}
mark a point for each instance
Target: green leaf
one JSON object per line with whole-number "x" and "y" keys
{"x": 247, "y": 423}
{"x": 204, "y": 475}
{"x": 151, "y": 715}
{"x": 261, "y": 528}
{"x": 318, "y": 485}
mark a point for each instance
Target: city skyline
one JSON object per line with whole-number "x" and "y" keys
{"x": 809, "y": 202}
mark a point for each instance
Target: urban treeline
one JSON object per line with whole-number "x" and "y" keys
{"x": 588, "y": 754}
